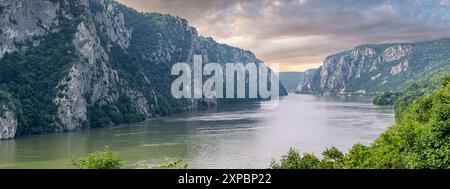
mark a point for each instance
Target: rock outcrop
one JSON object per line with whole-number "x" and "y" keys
{"x": 22, "y": 21}
{"x": 8, "y": 119}
{"x": 8, "y": 125}
{"x": 369, "y": 69}
{"x": 305, "y": 78}
{"x": 117, "y": 69}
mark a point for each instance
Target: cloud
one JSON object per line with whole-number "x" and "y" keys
{"x": 299, "y": 34}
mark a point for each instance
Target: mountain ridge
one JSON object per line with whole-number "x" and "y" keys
{"x": 68, "y": 65}
{"x": 375, "y": 68}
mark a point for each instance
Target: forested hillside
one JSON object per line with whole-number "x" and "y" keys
{"x": 73, "y": 64}
{"x": 376, "y": 68}
{"x": 420, "y": 139}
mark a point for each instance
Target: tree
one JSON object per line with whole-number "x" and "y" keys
{"x": 332, "y": 158}
{"x": 293, "y": 160}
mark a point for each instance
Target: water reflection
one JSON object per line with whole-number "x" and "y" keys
{"x": 238, "y": 136}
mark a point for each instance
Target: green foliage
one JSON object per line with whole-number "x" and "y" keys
{"x": 5, "y": 102}
{"x": 173, "y": 164}
{"x": 96, "y": 7}
{"x": 332, "y": 159}
{"x": 402, "y": 100}
{"x": 420, "y": 139}
{"x": 107, "y": 159}
{"x": 97, "y": 160}
{"x": 293, "y": 160}
{"x": 355, "y": 156}
{"x": 31, "y": 75}
{"x": 386, "y": 98}
{"x": 31, "y": 78}
{"x": 117, "y": 113}
{"x": 414, "y": 92}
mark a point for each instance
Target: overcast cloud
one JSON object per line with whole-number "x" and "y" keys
{"x": 299, "y": 34}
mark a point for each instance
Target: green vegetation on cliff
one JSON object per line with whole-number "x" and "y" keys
{"x": 96, "y": 64}
{"x": 379, "y": 68}
{"x": 386, "y": 98}
{"x": 402, "y": 100}
{"x": 30, "y": 78}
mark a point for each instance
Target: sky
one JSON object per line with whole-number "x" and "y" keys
{"x": 299, "y": 34}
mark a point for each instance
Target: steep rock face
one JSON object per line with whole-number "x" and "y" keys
{"x": 99, "y": 64}
{"x": 8, "y": 119}
{"x": 396, "y": 52}
{"x": 376, "y": 68}
{"x": 306, "y": 78}
{"x": 92, "y": 75}
{"x": 112, "y": 22}
{"x": 81, "y": 80}
{"x": 8, "y": 125}
{"x": 22, "y": 21}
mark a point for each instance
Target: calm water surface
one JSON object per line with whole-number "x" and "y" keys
{"x": 239, "y": 136}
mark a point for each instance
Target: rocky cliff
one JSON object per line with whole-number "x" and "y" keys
{"x": 22, "y": 21}
{"x": 369, "y": 69}
{"x": 8, "y": 119}
{"x": 305, "y": 79}
{"x": 71, "y": 64}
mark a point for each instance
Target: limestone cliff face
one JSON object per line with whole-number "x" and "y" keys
{"x": 8, "y": 119}
{"x": 370, "y": 69}
{"x": 306, "y": 78}
{"x": 92, "y": 75}
{"x": 8, "y": 125}
{"x": 22, "y": 21}
{"x": 122, "y": 69}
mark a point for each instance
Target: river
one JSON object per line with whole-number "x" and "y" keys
{"x": 237, "y": 136}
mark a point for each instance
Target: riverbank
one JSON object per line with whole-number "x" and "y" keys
{"x": 235, "y": 136}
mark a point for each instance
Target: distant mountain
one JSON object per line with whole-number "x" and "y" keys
{"x": 290, "y": 80}
{"x": 72, "y": 64}
{"x": 370, "y": 69}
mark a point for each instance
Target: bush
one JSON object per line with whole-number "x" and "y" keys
{"x": 332, "y": 159}
{"x": 173, "y": 164}
{"x": 97, "y": 160}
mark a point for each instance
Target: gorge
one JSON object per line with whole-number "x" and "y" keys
{"x": 109, "y": 72}
{"x": 72, "y": 64}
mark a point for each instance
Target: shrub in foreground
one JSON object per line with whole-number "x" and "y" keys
{"x": 97, "y": 160}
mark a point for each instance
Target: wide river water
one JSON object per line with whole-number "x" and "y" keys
{"x": 237, "y": 136}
